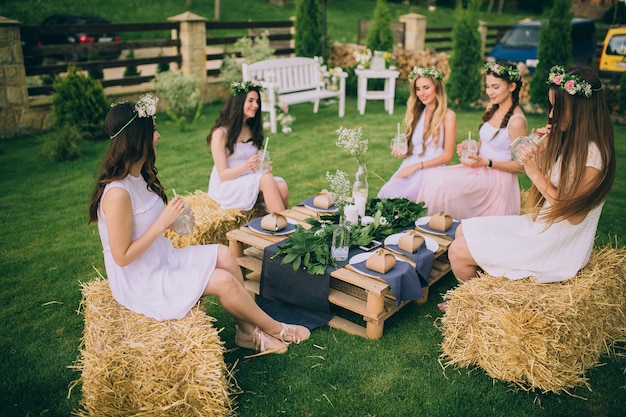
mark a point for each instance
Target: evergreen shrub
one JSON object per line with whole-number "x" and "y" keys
{"x": 555, "y": 47}
{"x": 79, "y": 101}
{"x": 308, "y": 29}
{"x": 465, "y": 82}
{"x": 380, "y": 35}
{"x": 621, "y": 94}
{"x": 251, "y": 50}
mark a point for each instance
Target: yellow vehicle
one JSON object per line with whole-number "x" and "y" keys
{"x": 613, "y": 56}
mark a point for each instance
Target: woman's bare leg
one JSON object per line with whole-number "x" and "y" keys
{"x": 464, "y": 267}
{"x": 227, "y": 284}
{"x": 284, "y": 192}
{"x": 271, "y": 194}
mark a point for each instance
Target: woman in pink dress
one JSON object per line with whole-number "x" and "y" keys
{"x": 431, "y": 129}
{"x": 485, "y": 184}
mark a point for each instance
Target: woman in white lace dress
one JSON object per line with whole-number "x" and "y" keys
{"x": 236, "y": 137}
{"x": 572, "y": 172}
{"x": 146, "y": 273}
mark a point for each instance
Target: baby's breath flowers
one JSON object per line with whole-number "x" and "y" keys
{"x": 340, "y": 188}
{"x": 350, "y": 140}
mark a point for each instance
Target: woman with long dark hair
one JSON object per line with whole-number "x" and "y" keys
{"x": 235, "y": 138}
{"x": 146, "y": 273}
{"x": 572, "y": 172}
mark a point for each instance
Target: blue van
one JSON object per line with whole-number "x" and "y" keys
{"x": 520, "y": 42}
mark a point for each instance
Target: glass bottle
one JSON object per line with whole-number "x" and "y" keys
{"x": 340, "y": 245}
{"x": 360, "y": 189}
{"x": 520, "y": 141}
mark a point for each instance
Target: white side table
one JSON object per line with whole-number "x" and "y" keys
{"x": 388, "y": 94}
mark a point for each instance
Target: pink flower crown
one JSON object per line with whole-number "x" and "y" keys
{"x": 237, "y": 87}
{"x": 421, "y": 72}
{"x": 571, "y": 84}
{"x": 502, "y": 71}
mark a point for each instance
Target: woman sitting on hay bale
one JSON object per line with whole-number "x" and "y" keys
{"x": 572, "y": 172}
{"x": 146, "y": 273}
{"x": 237, "y": 179}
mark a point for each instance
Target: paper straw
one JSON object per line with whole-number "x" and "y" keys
{"x": 398, "y": 129}
{"x": 174, "y": 191}
{"x": 267, "y": 140}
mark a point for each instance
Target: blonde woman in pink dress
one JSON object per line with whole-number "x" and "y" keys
{"x": 487, "y": 184}
{"x": 431, "y": 129}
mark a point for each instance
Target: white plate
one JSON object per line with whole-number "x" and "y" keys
{"x": 255, "y": 226}
{"x": 422, "y": 224}
{"x": 431, "y": 244}
{"x": 308, "y": 203}
{"x": 361, "y": 257}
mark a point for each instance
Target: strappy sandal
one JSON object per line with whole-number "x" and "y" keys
{"x": 290, "y": 332}
{"x": 259, "y": 341}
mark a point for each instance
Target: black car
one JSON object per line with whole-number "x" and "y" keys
{"x": 86, "y": 36}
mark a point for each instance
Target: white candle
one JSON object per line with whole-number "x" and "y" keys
{"x": 351, "y": 214}
{"x": 359, "y": 202}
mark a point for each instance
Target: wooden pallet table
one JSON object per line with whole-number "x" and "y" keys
{"x": 368, "y": 297}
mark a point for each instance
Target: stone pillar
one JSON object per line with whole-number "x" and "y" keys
{"x": 482, "y": 31}
{"x": 13, "y": 87}
{"x": 415, "y": 31}
{"x": 192, "y": 35}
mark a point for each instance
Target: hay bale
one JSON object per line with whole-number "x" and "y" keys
{"x": 538, "y": 336}
{"x": 134, "y": 365}
{"x": 212, "y": 223}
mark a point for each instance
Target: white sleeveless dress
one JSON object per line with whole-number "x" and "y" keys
{"x": 241, "y": 192}
{"x": 164, "y": 282}
{"x": 408, "y": 187}
{"x": 516, "y": 246}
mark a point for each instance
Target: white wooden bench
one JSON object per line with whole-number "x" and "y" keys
{"x": 292, "y": 81}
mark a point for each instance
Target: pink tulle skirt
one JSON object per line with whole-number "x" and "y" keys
{"x": 465, "y": 192}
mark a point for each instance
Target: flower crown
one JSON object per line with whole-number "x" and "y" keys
{"x": 430, "y": 72}
{"x": 237, "y": 87}
{"x": 571, "y": 84}
{"x": 145, "y": 107}
{"x": 503, "y": 71}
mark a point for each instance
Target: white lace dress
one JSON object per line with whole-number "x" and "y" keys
{"x": 517, "y": 247}
{"x": 164, "y": 282}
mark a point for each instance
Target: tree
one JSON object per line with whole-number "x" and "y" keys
{"x": 465, "y": 82}
{"x": 380, "y": 35}
{"x": 555, "y": 47}
{"x": 308, "y": 28}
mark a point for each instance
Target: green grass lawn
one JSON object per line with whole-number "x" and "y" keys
{"x": 47, "y": 249}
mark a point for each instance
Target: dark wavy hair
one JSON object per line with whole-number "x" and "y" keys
{"x": 231, "y": 117}
{"x": 132, "y": 144}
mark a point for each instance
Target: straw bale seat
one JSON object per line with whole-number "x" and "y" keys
{"x": 131, "y": 364}
{"x": 538, "y": 336}
{"x": 212, "y": 223}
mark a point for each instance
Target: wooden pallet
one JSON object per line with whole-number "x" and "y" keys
{"x": 368, "y": 297}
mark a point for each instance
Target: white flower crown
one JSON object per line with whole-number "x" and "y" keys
{"x": 146, "y": 106}
{"x": 430, "y": 72}
{"x": 237, "y": 87}
{"x": 503, "y": 71}
{"x": 571, "y": 84}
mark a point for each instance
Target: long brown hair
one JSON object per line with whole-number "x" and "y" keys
{"x": 231, "y": 117}
{"x": 415, "y": 108}
{"x": 131, "y": 145}
{"x": 576, "y": 121}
